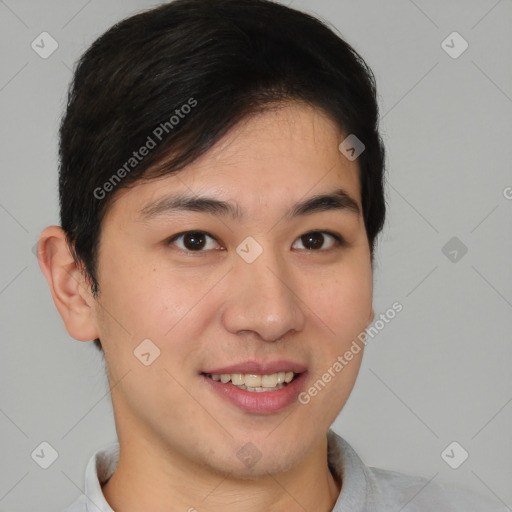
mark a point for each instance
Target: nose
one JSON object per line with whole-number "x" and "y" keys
{"x": 264, "y": 299}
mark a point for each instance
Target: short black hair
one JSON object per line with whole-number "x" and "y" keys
{"x": 177, "y": 78}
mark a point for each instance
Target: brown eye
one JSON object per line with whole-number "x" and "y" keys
{"x": 193, "y": 241}
{"x": 314, "y": 240}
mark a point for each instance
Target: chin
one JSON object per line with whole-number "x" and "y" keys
{"x": 256, "y": 470}
{"x": 257, "y": 459}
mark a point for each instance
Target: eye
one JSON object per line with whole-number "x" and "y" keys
{"x": 315, "y": 239}
{"x": 193, "y": 241}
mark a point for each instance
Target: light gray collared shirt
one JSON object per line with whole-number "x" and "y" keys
{"x": 364, "y": 489}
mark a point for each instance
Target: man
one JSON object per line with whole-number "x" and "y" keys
{"x": 221, "y": 189}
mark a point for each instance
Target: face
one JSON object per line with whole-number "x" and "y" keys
{"x": 255, "y": 287}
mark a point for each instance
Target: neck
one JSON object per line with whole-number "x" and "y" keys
{"x": 150, "y": 479}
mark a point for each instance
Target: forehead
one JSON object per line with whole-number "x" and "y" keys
{"x": 288, "y": 132}
{"x": 274, "y": 157}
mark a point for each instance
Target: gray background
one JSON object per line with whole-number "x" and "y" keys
{"x": 439, "y": 372}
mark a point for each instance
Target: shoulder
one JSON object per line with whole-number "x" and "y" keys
{"x": 419, "y": 494}
{"x": 370, "y": 489}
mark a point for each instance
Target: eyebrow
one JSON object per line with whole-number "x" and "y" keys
{"x": 337, "y": 200}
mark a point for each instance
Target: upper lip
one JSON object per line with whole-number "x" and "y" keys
{"x": 258, "y": 368}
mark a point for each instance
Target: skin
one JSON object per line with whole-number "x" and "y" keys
{"x": 178, "y": 439}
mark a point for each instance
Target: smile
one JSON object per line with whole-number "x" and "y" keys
{"x": 255, "y": 383}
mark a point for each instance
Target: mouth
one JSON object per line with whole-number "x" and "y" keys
{"x": 255, "y": 383}
{"x": 258, "y": 388}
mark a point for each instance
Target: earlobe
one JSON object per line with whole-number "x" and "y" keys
{"x": 67, "y": 284}
{"x": 371, "y": 316}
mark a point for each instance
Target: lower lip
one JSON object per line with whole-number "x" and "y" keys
{"x": 265, "y": 402}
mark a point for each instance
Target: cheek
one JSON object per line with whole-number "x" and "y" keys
{"x": 343, "y": 301}
{"x": 166, "y": 306}
{"x": 143, "y": 299}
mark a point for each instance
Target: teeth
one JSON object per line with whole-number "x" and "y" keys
{"x": 254, "y": 382}
{"x": 237, "y": 379}
{"x": 267, "y": 381}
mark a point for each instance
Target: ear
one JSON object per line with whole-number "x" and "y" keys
{"x": 70, "y": 291}
{"x": 371, "y": 316}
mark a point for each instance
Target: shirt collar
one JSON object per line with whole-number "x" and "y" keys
{"x": 100, "y": 468}
{"x": 343, "y": 462}
{"x": 356, "y": 490}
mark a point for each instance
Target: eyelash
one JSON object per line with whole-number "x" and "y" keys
{"x": 339, "y": 241}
